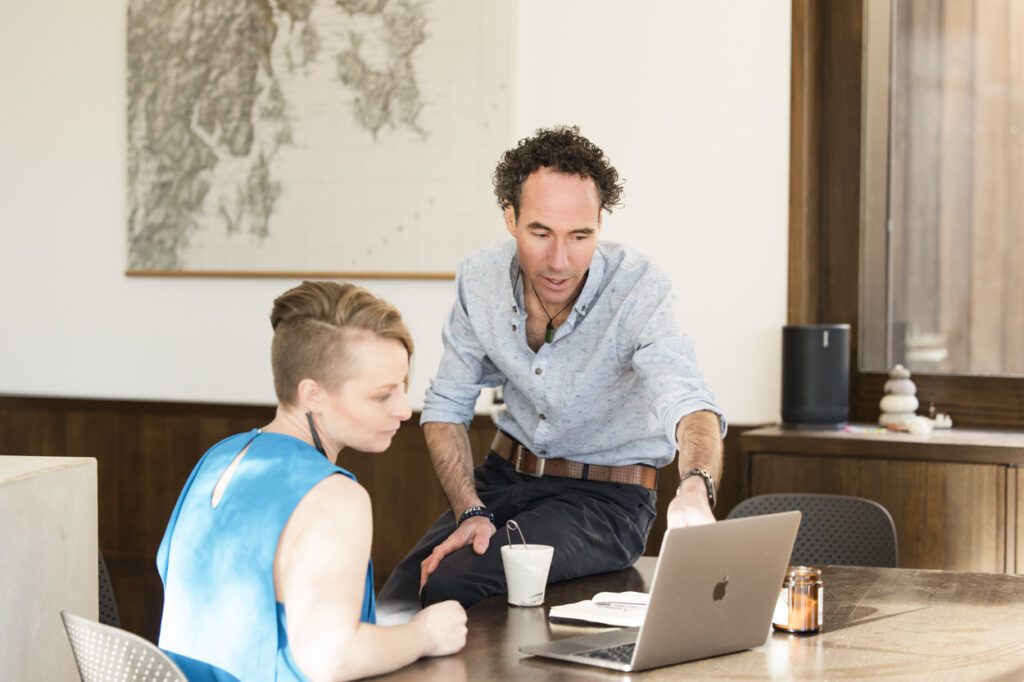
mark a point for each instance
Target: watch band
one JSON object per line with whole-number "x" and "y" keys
{"x": 476, "y": 510}
{"x": 709, "y": 483}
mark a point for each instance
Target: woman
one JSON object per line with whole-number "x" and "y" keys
{"x": 265, "y": 561}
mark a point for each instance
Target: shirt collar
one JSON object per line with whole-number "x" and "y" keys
{"x": 583, "y": 301}
{"x": 515, "y": 290}
{"x": 593, "y": 285}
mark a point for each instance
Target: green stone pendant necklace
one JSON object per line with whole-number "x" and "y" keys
{"x": 549, "y": 331}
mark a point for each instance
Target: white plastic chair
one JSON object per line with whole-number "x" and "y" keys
{"x": 107, "y": 654}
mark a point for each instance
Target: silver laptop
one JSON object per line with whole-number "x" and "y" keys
{"x": 714, "y": 592}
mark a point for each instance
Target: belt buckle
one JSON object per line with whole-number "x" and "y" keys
{"x": 519, "y": 463}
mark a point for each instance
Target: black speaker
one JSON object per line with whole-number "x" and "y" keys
{"x": 815, "y": 375}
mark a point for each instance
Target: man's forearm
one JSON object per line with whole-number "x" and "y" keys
{"x": 453, "y": 462}
{"x": 700, "y": 444}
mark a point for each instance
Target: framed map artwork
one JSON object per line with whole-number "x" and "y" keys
{"x": 325, "y": 138}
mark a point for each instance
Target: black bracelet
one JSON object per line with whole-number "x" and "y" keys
{"x": 476, "y": 511}
{"x": 709, "y": 484}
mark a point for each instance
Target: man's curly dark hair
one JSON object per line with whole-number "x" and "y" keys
{"x": 563, "y": 149}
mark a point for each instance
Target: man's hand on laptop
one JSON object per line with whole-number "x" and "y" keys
{"x": 476, "y": 530}
{"x": 690, "y": 506}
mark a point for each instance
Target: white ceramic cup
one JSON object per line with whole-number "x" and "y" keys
{"x": 526, "y": 572}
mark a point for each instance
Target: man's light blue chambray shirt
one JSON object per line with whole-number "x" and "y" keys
{"x": 609, "y": 389}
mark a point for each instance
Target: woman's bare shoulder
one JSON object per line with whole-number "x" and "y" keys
{"x": 337, "y": 495}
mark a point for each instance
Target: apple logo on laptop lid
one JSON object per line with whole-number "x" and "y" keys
{"x": 719, "y": 592}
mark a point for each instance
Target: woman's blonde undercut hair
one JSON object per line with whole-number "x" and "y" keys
{"x": 311, "y": 324}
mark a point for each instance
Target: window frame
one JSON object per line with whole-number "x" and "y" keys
{"x": 826, "y": 202}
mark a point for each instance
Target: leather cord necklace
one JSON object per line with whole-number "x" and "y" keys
{"x": 316, "y": 436}
{"x": 549, "y": 331}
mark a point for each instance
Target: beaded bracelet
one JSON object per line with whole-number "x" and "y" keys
{"x": 476, "y": 511}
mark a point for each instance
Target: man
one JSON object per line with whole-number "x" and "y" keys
{"x": 600, "y": 389}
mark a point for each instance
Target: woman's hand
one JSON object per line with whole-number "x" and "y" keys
{"x": 444, "y": 628}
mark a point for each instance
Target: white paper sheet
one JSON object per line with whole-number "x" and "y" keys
{"x": 619, "y": 609}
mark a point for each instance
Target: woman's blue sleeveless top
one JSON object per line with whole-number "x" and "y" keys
{"x": 217, "y": 563}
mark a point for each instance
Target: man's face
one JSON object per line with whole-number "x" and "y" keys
{"x": 556, "y": 233}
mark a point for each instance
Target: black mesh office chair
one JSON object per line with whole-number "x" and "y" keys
{"x": 108, "y": 604}
{"x": 834, "y": 529}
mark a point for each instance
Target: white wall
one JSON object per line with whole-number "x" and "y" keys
{"x": 689, "y": 98}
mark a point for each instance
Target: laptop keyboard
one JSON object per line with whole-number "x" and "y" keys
{"x": 616, "y": 654}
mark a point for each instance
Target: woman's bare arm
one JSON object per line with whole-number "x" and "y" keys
{"x": 319, "y": 573}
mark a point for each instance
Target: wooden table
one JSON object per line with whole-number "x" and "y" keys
{"x": 879, "y": 623}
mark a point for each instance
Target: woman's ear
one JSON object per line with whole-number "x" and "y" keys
{"x": 310, "y": 395}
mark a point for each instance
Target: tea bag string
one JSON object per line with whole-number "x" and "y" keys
{"x": 513, "y": 526}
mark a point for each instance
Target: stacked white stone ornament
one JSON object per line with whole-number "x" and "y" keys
{"x": 899, "y": 405}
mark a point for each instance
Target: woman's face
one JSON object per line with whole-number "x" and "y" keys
{"x": 366, "y": 410}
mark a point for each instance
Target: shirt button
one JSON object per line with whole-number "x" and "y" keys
{"x": 515, "y": 309}
{"x": 514, "y": 328}
{"x": 538, "y": 371}
{"x": 542, "y": 417}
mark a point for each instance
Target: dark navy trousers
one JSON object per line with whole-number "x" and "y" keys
{"x": 595, "y": 527}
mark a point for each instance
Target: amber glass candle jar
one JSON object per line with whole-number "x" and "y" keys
{"x": 801, "y": 601}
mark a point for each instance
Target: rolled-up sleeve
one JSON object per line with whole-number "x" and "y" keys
{"x": 464, "y": 370}
{"x": 664, "y": 359}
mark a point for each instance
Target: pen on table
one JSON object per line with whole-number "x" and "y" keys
{"x": 618, "y": 604}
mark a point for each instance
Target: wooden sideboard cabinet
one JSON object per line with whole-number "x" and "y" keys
{"x": 956, "y": 496}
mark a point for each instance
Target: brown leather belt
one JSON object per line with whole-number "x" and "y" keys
{"x": 530, "y": 464}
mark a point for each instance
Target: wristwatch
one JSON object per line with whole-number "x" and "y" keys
{"x": 709, "y": 483}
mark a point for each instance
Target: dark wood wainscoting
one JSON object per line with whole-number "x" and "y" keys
{"x": 146, "y": 450}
